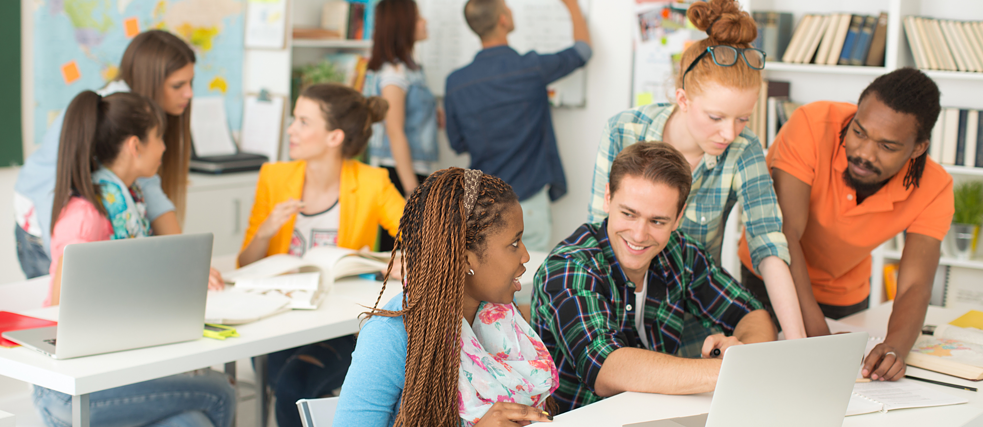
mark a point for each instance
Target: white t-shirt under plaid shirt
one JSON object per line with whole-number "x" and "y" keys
{"x": 315, "y": 230}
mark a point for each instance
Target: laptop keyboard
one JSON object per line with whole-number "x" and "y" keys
{"x": 51, "y": 341}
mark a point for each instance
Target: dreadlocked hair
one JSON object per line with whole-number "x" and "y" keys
{"x": 909, "y": 91}
{"x": 434, "y": 234}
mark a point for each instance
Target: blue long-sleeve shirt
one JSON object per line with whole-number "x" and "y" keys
{"x": 374, "y": 384}
{"x": 498, "y": 111}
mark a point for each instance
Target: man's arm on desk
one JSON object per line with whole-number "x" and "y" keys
{"x": 646, "y": 371}
{"x": 919, "y": 262}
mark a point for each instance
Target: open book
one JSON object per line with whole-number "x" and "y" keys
{"x": 883, "y": 396}
{"x": 332, "y": 262}
{"x": 951, "y": 350}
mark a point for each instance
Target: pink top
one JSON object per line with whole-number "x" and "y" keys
{"x": 79, "y": 222}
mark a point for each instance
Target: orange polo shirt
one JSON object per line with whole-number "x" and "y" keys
{"x": 840, "y": 234}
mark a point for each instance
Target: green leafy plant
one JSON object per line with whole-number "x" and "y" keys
{"x": 969, "y": 203}
{"x": 321, "y": 72}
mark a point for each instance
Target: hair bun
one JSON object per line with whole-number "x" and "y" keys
{"x": 730, "y": 24}
{"x": 377, "y": 108}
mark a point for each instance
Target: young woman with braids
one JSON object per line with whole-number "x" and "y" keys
{"x": 452, "y": 349}
{"x": 717, "y": 84}
{"x": 850, "y": 177}
{"x": 322, "y": 198}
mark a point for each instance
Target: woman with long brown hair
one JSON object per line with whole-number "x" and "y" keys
{"x": 452, "y": 349}
{"x": 160, "y": 66}
{"x": 408, "y": 144}
{"x": 109, "y": 143}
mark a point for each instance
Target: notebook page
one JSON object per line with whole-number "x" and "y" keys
{"x": 904, "y": 394}
{"x": 860, "y": 405}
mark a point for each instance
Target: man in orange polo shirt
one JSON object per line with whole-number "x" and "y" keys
{"x": 848, "y": 178}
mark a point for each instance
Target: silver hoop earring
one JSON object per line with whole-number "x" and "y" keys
{"x": 470, "y": 272}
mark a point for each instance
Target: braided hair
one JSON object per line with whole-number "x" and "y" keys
{"x": 434, "y": 234}
{"x": 909, "y": 91}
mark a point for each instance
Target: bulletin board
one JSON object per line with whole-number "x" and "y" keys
{"x": 540, "y": 25}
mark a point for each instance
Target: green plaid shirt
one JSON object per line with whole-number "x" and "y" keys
{"x": 719, "y": 182}
{"x": 582, "y": 304}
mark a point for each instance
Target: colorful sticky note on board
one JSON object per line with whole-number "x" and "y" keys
{"x": 643, "y": 98}
{"x": 70, "y": 72}
{"x": 972, "y": 319}
{"x": 131, "y": 27}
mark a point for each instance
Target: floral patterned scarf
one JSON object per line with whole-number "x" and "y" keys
{"x": 502, "y": 360}
{"x": 124, "y": 206}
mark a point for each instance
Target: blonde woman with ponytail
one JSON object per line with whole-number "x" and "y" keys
{"x": 324, "y": 197}
{"x": 717, "y": 84}
{"x": 452, "y": 349}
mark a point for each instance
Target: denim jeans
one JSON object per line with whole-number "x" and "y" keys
{"x": 185, "y": 400}
{"x": 307, "y": 372}
{"x": 34, "y": 261}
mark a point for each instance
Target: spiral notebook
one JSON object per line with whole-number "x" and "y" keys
{"x": 878, "y": 396}
{"x": 883, "y": 396}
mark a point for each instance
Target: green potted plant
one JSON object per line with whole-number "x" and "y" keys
{"x": 968, "y": 216}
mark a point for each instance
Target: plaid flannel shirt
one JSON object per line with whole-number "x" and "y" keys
{"x": 583, "y": 310}
{"x": 740, "y": 174}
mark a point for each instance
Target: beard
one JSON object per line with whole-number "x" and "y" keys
{"x": 861, "y": 187}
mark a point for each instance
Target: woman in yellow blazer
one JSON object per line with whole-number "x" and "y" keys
{"x": 332, "y": 124}
{"x": 323, "y": 197}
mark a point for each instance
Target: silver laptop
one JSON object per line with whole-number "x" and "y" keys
{"x": 124, "y": 294}
{"x": 802, "y": 383}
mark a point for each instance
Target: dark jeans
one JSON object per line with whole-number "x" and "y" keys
{"x": 307, "y": 372}
{"x": 34, "y": 261}
{"x": 386, "y": 242}
{"x": 754, "y": 284}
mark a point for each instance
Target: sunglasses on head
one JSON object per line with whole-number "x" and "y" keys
{"x": 726, "y": 56}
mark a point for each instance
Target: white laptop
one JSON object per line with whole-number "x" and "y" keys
{"x": 125, "y": 294}
{"x": 802, "y": 383}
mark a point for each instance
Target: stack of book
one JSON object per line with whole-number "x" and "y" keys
{"x": 771, "y": 111}
{"x": 838, "y": 39}
{"x": 957, "y": 138}
{"x": 945, "y": 45}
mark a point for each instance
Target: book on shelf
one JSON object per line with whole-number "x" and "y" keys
{"x": 771, "y": 110}
{"x": 945, "y": 45}
{"x": 837, "y": 39}
{"x": 891, "y": 280}
{"x": 957, "y": 138}
{"x": 774, "y": 33}
{"x": 342, "y": 20}
{"x": 875, "y": 57}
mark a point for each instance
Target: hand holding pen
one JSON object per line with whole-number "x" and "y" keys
{"x": 716, "y": 345}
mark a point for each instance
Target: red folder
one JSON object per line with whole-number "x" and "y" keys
{"x": 15, "y": 322}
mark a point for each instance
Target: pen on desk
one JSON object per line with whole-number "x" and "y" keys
{"x": 863, "y": 380}
{"x": 941, "y": 383}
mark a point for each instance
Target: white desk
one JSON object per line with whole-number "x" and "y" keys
{"x": 336, "y": 317}
{"x": 629, "y": 408}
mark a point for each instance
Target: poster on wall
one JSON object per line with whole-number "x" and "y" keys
{"x": 78, "y": 46}
{"x": 661, "y": 33}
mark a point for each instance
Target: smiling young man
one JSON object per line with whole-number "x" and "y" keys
{"x": 609, "y": 300}
{"x": 848, "y": 178}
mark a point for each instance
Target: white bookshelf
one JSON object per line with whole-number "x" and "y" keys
{"x": 812, "y": 82}
{"x": 331, "y": 44}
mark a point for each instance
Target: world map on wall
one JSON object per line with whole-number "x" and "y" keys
{"x": 78, "y": 45}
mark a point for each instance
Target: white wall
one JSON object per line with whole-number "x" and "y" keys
{"x": 578, "y": 130}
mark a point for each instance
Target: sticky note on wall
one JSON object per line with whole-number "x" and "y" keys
{"x": 70, "y": 72}
{"x": 131, "y": 27}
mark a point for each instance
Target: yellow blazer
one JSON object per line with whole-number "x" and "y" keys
{"x": 367, "y": 200}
